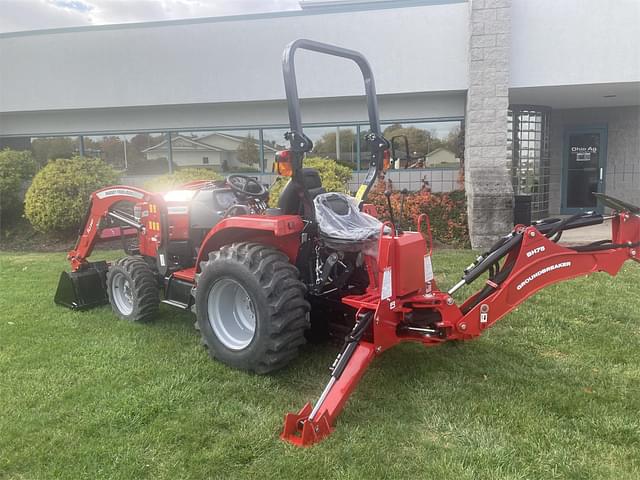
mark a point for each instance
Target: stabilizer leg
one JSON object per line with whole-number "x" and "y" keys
{"x": 311, "y": 424}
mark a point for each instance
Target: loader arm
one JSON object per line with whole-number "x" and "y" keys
{"x": 99, "y": 208}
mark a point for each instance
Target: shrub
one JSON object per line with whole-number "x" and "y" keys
{"x": 447, "y": 212}
{"x": 59, "y": 195}
{"x": 16, "y": 168}
{"x": 335, "y": 177}
{"x": 172, "y": 180}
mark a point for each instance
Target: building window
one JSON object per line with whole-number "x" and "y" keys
{"x": 149, "y": 153}
{"x": 50, "y": 148}
{"x": 273, "y": 141}
{"x": 337, "y": 143}
{"x": 112, "y": 149}
{"x": 222, "y": 150}
{"x": 430, "y": 146}
{"x": 426, "y": 155}
{"x": 425, "y": 145}
{"x": 528, "y": 146}
{"x": 141, "y": 153}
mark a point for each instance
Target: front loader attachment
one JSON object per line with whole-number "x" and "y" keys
{"x": 83, "y": 289}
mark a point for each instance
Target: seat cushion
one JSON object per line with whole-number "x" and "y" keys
{"x": 339, "y": 218}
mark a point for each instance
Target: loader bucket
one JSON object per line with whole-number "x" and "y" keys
{"x": 83, "y": 289}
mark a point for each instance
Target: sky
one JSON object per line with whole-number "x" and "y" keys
{"x": 21, "y": 15}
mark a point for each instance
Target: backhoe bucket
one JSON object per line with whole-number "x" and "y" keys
{"x": 83, "y": 289}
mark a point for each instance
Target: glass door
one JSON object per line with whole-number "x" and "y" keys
{"x": 584, "y": 168}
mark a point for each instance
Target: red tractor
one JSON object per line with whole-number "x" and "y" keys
{"x": 260, "y": 278}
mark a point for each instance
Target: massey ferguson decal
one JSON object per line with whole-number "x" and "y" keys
{"x": 545, "y": 270}
{"x": 119, "y": 191}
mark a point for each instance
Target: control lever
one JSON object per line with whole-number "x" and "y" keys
{"x": 404, "y": 193}
{"x": 387, "y": 193}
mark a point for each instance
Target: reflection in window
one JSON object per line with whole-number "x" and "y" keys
{"x": 223, "y": 151}
{"x": 338, "y": 143}
{"x": 49, "y": 148}
{"x": 147, "y": 153}
{"x": 430, "y": 144}
{"x": 112, "y": 149}
{"x": 272, "y": 142}
{"x": 142, "y": 153}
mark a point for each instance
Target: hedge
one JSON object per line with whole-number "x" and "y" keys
{"x": 16, "y": 168}
{"x": 59, "y": 194}
{"x": 335, "y": 177}
{"x": 447, "y": 212}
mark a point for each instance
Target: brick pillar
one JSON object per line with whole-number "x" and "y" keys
{"x": 487, "y": 170}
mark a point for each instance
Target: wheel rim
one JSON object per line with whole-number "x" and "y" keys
{"x": 122, "y": 293}
{"x": 231, "y": 314}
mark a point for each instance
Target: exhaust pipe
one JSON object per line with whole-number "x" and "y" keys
{"x": 83, "y": 289}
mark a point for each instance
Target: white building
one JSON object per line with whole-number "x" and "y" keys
{"x": 548, "y": 91}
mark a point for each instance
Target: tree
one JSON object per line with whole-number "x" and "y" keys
{"x": 421, "y": 142}
{"x": 45, "y": 149}
{"x": 248, "y": 152}
{"x": 16, "y": 169}
{"x": 142, "y": 141}
{"x": 136, "y": 158}
{"x": 455, "y": 142}
{"x": 325, "y": 146}
{"x": 113, "y": 151}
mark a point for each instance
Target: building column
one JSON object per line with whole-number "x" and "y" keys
{"x": 487, "y": 168}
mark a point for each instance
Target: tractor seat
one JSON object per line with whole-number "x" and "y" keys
{"x": 342, "y": 224}
{"x": 290, "y": 201}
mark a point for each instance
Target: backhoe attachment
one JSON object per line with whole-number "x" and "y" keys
{"x": 403, "y": 302}
{"x": 313, "y": 423}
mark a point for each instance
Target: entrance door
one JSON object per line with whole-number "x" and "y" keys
{"x": 585, "y": 156}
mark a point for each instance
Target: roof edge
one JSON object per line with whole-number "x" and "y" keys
{"x": 315, "y": 10}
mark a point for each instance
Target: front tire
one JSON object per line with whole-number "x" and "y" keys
{"x": 250, "y": 307}
{"x": 132, "y": 288}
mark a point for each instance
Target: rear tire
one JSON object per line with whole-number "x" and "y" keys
{"x": 132, "y": 288}
{"x": 250, "y": 307}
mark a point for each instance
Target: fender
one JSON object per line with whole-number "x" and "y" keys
{"x": 281, "y": 231}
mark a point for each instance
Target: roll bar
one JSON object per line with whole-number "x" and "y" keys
{"x": 300, "y": 143}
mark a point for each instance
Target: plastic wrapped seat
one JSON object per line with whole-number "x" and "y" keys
{"x": 343, "y": 226}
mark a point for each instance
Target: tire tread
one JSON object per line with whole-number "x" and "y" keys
{"x": 144, "y": 285}
{"x": 285, "y": 295}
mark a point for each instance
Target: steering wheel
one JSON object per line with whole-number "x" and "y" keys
{"x": 246, "y": 185}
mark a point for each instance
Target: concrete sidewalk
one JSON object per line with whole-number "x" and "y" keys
{"x": 585, "y": 235}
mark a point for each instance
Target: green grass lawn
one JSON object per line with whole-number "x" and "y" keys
{"x": 552, "y": 391}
